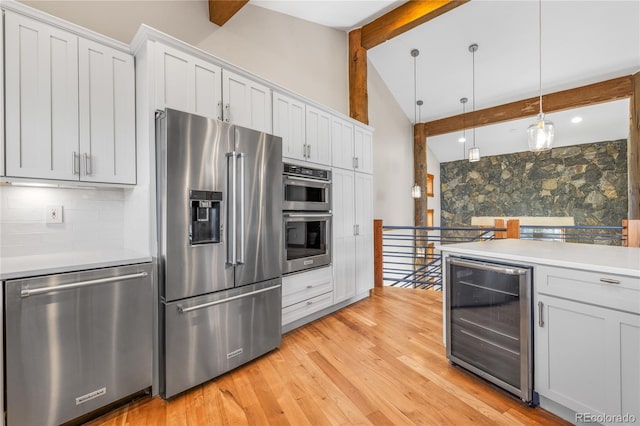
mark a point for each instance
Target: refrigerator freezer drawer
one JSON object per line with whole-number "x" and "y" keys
{"x": 76, "y": 342}
{"x": 206, "y": 336}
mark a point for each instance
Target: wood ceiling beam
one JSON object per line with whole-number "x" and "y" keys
{"x": 358, "y": 95}
{"x": 605, "y": 91}
{"x": 633, "y": 151}
{"x": 404, "y": 18}
{"x": 220, "y": 11}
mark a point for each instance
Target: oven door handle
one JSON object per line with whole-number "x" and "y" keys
{"x": 318, "y": 182}
{"x": 508, "y": 270}
{"x": 303, "y": 215}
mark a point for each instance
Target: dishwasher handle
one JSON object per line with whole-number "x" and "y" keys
{"x": 26, "y": 292}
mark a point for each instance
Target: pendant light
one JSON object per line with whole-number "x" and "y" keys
{"x": 463, "y": 138}
{"x": 416, "y": 190}
{"x": 540, "y": 133}
{"x": 474, "y": 152}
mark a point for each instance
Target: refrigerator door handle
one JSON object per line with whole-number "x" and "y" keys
{"x": 226, "y": 300}
{"x": 231, "y": 207}
{"x": 240, "y": 254}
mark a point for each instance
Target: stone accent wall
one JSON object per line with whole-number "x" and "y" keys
{"x": 588, "y": 182}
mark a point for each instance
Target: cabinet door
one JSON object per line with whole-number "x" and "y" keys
{"x": 289, "y": 124}
{"x": 364, "y": 231}
{"x": 341, "y": 144}
{"x": 318, "y": 136}
{"x": 246, "y": 103}
{"x": 343, "y": 256}
{"x": 187, "y": 83}
{"x": 363, "y": 147}
{"x": 41, "y": 100}
{"x": 574, "y": 362}
{"x": 107, "y": 114}
{"x": 629, "y": 349}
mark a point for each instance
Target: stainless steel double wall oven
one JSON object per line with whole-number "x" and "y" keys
{"x": 306, "y": 217}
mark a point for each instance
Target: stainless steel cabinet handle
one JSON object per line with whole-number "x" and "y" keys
{"x": 357, "y": 163}
{"x": 309, "y": 286}
{"x": 488, "y": 267}
{"x": 609, "y": 281}
{"x": 75, "y": 159}
{"x": 26, "y": 292}
{"x": 227, "y": 115}
{"x": 221, "y": 301}
{"x": 219, "y": 110}
{"x": 240, "y": 254}
{"x": 353, "y": 162}
{"x": 309, "y": 303}
{"x": 540, "y": 313}
{"x": 317, "y": 184}
{"x": 231, "y": 208}
{"x": 87, "y": 164}
{"x": 294, "y": 215}
{"x": 308, "y": 151}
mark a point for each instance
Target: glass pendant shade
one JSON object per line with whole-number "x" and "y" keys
{"x": 540, "y": 135}
{"x": 474, "y": 154}
{"x": 416, "y": 191}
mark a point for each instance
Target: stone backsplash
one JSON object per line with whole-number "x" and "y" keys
{"x": 588, "y": 182}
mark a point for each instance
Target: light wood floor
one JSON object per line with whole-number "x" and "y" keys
{"x": 380, "y": 361}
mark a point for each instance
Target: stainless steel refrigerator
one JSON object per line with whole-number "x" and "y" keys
{"x": 219, "y": 205}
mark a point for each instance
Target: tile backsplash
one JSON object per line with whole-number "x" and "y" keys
{"x": 93, "y": 219}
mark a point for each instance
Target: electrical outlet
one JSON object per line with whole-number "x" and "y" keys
{"x": 54, "y": 214}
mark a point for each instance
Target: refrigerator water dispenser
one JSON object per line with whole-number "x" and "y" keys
{"x": 206, "y": 207}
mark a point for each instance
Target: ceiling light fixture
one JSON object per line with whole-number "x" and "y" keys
{"x": 463, "y": 138}
{"x": 540, "y": 133}
{"x": 416, "y": 190}
{"x": 576, "y": 119}
{"x": 474, "y": 152}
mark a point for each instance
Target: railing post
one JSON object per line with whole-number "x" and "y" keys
{"x": 513, "y": 229}
{"x": 499, "y": 235}
{"x": 377, "y": 253}
{"x": 631, "y": 232}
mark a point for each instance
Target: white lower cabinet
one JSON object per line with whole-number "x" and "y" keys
{"x": 306, "y": 293}
{"x": 587, "y": 354}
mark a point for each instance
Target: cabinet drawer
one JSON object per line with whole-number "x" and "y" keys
{"x": 609, "y": 290}
{"x": 302, "y": 309}
{"x": 299, "y": 287}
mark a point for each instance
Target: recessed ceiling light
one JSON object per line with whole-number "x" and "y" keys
{"x": 462, "y": 140}
{"x": 577, "y": 119}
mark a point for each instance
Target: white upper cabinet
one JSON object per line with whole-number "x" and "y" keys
{"x": 187, "y": 83}
{"x": 342, "y": 143}
{"x": 70, "y": 106}
{"x": 363, "y": 150}
{"x": 107, "y": 114}
{"x": 318, "y": 136}
{"x": 246, "y": 102}
{"x": 289, "y": 124}
{"x": 41, "y": 83}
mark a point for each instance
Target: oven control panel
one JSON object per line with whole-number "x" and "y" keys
{"x": 294, "y": 170}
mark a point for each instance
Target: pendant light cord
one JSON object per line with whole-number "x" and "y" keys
{"x": 540, "y": 51}
{"x": 415, "y": 91}
{"x": 473, "y": 89}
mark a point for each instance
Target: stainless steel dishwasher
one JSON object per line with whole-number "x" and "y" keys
{"x": 76, "y": 342}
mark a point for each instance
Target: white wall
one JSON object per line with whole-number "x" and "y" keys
{"x": 92, "y": 220}
{"x": 392, "y": 154}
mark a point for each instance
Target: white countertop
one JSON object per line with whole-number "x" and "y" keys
{"x": 590, "y": 257}
{"x": 29, "y": 266}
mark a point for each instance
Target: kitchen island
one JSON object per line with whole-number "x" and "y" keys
{"x": 586, "y": 324}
